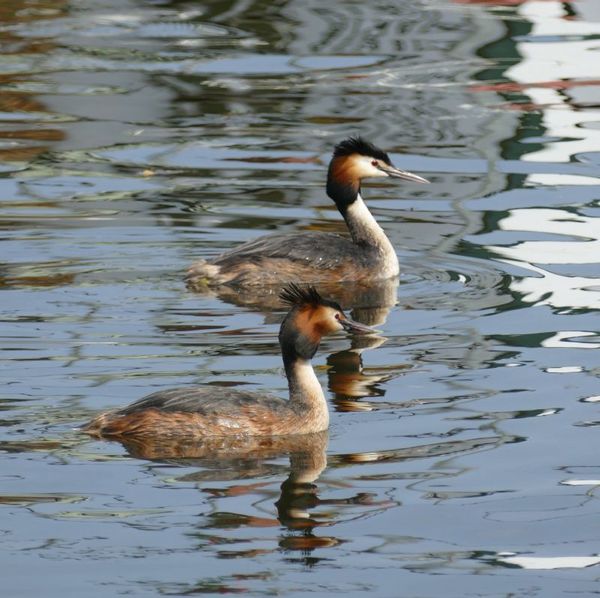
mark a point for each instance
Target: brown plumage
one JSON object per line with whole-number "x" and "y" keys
{"x": 249, "y": 419}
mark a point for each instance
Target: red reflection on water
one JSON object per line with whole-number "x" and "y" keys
{"x": 504, "y": 2}
{"x": 511, "y": 86}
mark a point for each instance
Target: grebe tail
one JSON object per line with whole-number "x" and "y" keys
{"x": 314, "y": 257}
{"x": 200, "y": 412}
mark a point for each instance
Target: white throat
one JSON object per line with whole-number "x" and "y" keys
{"x": 306, "y": 388}
{"x": 364, "y": 229}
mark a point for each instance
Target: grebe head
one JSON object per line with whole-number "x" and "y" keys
{"x": 310, "y": 318}
{"x": 355, "y": 159}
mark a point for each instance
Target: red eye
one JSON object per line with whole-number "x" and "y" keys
{"x": 375, "y": 163}
{"x": 337, "y": 316}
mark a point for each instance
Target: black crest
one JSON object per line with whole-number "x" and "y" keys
{"x": 358, "y": 145}
{"x": 295, "y": 295}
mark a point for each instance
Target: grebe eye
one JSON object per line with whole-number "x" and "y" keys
{"x": 337, "y": 316}
{"x": 375, "y": 163}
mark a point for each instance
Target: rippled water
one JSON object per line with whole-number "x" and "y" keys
{"x": 137, "y": 136}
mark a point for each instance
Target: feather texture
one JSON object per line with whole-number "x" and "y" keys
{"x": 358, "y": 145}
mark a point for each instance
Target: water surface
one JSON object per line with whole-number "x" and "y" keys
{"x": 137, "y": 136}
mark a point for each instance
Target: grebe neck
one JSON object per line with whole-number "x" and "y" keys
{"x": 364, "y": 230}
{"x": 305, "y": 390}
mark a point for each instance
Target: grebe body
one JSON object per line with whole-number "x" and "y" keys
{"x": 366, "y": 255}
{"x": 200, "y": 412}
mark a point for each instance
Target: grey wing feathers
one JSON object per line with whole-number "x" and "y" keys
{"x": 205, "y": 400}
{"x": 321, "y": 250}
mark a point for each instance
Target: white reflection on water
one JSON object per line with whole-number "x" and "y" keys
{"x": 549, "y": 287}
{"x": 559, "y": 79}
{"x": 572, "y": 292}
{"x": 555, "y": 180}
{"x": 555, "y": 562}
{"x": 581, "y": 483}
{"x": 564, "y": 339}
{"x": 560, "y": 63}
{"x": 584, "y": 250}
{"x": 551, "y": 28}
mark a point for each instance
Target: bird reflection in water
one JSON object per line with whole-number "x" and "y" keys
{"x": 300, "y": 509}
{"x": 244, "y": 467}
{"x": 368, "y": 304}
{"x": 348, "y": 381}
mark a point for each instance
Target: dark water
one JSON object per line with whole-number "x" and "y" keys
{"x": 138, "y": 135}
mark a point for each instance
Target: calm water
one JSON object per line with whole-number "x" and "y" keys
{"x": 138, "y": 135}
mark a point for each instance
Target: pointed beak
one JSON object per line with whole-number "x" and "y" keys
{"x": 356, "y": 327}
{"x": 396, "y": 173}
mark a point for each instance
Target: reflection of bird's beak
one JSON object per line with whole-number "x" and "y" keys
{"x": 356, "y": 327}
{"x": 396, "y": 173}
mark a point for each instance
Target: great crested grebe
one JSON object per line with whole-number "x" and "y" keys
{"x": 316, "y": 257}
{"x": 199, "y": 412}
